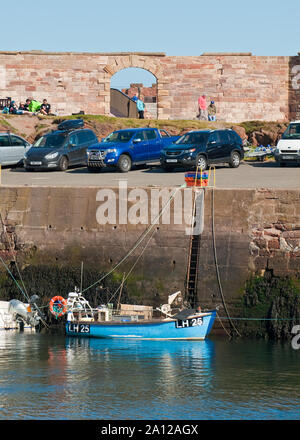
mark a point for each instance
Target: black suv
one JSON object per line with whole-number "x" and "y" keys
{"x": 202, "y": 148}
{"x": 61, "y": 148}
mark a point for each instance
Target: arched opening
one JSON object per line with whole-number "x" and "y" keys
{"x": 128, "y": 85}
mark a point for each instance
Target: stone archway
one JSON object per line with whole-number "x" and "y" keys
{"x": 146, "y": 62}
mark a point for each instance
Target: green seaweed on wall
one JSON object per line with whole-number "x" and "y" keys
{"x": 270, "y": 306}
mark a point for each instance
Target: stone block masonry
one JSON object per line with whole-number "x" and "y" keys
{"x": 256, "y": 230}
{"x": 244, "y": 87}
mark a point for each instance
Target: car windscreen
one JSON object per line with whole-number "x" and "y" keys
{"x": 51, "y": 141}
{"x": 193, "y": 138}
{"x": 292, "y": 132}
{"x": 119, "y": 136}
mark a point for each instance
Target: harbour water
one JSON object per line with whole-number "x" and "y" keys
{"x": 46, "y": 377}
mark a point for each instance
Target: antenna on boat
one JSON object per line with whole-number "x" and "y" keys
{"x": 121, "y": 289}
{"x": 81, "y": 277}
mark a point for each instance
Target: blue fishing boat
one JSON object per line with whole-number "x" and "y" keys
{"x": 136, "y": 321}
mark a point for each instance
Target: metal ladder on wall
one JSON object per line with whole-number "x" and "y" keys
{"x": 193, "y": 255}
{"x": 192, "y": 270}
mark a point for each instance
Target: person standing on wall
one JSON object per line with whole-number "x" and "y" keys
{"x": 212, "y": 111}
{"x": 202, "y": 106}
{"x": 141, "y": 108}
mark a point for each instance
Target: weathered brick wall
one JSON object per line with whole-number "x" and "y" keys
{"x": 244, "y": 87}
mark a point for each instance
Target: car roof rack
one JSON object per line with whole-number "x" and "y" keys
{"x": 71, "y": 124}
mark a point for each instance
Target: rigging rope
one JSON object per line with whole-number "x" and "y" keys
{"x": 10, "y": 273}
{"x": 25, "y": 293}
{"x": 140, "y": 240}
{"x": 133, "y": 266}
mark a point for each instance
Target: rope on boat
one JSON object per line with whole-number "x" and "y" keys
{"x": 140, "y": 240}
{"x": 220, "y": 320}
{"x": 10, "y": 273}
{"x": 25, "y": 293}
{"x": 257, "y": 319}
{"x": 233, "y": 328}
{"x": 133, "y": 266}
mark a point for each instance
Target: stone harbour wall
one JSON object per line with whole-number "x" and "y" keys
{"x": 255, "y": 231}
{"x": 244, "y": 87}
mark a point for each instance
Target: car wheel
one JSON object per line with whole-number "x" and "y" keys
{"x": 124, "y": 163}
{"x": 63, "y": 164}
{"x": 235, "y": 159}
{"x": 201, "y": 162}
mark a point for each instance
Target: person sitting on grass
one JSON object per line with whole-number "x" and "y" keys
{"x": 45, "y": 108}
{"x": 14, "y": 110}
{"x": 26, "y": 105}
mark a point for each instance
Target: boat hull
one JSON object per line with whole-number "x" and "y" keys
{"x": 194, "y": 327}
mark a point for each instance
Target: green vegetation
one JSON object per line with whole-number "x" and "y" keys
{"x": 274, "y": 300}
{"x": 179, "y": 125}
{"x": 7, "y": 125}
{"x": 103, "y": 125}
{"x": 251, "y": 126}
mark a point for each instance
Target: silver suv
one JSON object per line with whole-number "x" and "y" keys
{"x": 12, "y": 149}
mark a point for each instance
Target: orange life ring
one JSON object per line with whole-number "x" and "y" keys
{"x": 58, "y": 306}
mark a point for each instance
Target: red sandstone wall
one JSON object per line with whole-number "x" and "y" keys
{"x": 244, "y": 87}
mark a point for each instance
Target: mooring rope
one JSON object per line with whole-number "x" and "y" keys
{"x": 217, "y": 267}
{"x": 219, "y": 318}
{"x": 10, "y": 273}
{"x": 25, "y": 293}
{"x": 257, "y": 319}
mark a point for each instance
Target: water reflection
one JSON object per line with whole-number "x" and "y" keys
{"x": 54, "y": 377}
{"x": 144, "y": 371}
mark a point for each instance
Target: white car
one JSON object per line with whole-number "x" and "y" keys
{"x": 12, "y": 149}
{"x": 288, "y": 147}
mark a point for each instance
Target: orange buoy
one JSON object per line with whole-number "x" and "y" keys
{"x": 58, "y": 306}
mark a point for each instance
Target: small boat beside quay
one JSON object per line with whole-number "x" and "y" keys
{"x": 133, "y": 321}
{"x": 16, "y": 315}
{"x": 171, "y": 321}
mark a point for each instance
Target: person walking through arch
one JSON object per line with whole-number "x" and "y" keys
{"x": 141, "y": 108}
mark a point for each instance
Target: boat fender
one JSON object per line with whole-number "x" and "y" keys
{"x": 58, "y": 306}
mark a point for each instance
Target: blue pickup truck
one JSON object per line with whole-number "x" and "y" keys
{"x": 124, "y": 148}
